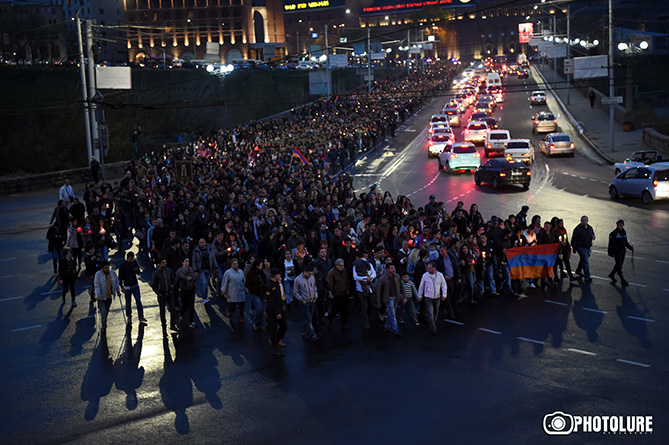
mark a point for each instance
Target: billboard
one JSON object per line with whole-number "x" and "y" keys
{"x": 525, "y": 32}
{"x": 113, "y": 77}
{"x": 588, "y": 67}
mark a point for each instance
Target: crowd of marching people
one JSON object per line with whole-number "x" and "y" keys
{"x": 270, "y": 224}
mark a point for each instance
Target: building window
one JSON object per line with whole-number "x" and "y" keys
{"x": 515, "y": 11}
{"x": 491, "y": 13}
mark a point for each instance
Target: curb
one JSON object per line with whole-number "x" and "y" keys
{"x": 576, "y": 124}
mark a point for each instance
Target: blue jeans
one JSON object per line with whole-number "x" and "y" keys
{"x": 133, "y": 290}
{"x": 259, "y": 308}
{"x": 391, "y": 320}
{"x": 202, "y": 284}
{"x": 584, "y": 261}
{"x": 55, "y": 256}
{"x": 308, "y": 312}
{"x": 468, "y": 285}
{"x": 506, "y": 274}
{"x": 489, "y": 273}
{"x": 288, "y": 289}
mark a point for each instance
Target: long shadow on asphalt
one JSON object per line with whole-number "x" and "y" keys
{"x": 586, "y": 313}
{"x": 54, "y": 330}
{"x": 43, "y": 292}
{"x": 98, "y": 380}
{"x": 633, "y": 317}
{"x": 85, "y": 329}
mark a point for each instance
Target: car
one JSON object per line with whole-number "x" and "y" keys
{"x": 497, "y": 93}
{"x": 440, "y": 129}
{"x": 637, "y": 159}
{"x": 523, "y": 74}
{"x": 460, "y": 156}
{"x": 492, "y": 123}
{"x": 476, "y": 131}
{"x": 544, "y": 122}
{"x": 500, "y": 172}
{"x": 435, "y": 126}
{"x": 520, "y": 150}
{"x": 483, "y": 106}
{"x": 495, "y": 142}
{"x": 437, "y": 143}
{"x": 306, "y": 65}
{"x": 478, "y": 116}
{"x": 557, "y": 143}
{"x": 538, "y": 98}
{"x": 648, "y": 182}
{"x": 453, "y": 116}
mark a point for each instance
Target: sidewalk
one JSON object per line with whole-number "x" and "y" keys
{"x": 594, "y": 122}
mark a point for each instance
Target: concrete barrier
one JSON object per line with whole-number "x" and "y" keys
{"x": 55, "y": 179}
{"x": 656, "y": 140}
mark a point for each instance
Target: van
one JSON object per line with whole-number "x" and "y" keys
{"x": 496, "y": 141}
{"x": 494, "y": 80}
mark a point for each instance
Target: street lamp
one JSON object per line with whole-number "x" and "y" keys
{"x": 194, "y": 49}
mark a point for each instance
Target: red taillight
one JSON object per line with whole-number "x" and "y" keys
{"x": 552, "y": 145}
{"x": 453, "y": 155}
{"x": 502, "y": 174}
{"x": 467, "y": 131}
{"x": 655, "y": 179}
{"x": 554, "y": 122}
{"x": 528, "y": 173}
{"x": 431, "y": 143}
{"x": 489, "y": 145}
{"x": 476, "y": 155}
{"x": 429, "y": 131}
{"x": 571, "y": 145}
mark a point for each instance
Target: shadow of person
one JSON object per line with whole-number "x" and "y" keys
{"x": 586, "y": 313}
{"x": 206, "y": 378}
{"x": 85, "y": 329}
{"x": 98, "y": 380}
{"x": 129, "y": 375}
{"x": 41, "y": 293}
{"x": 176, "y": 391}
{"x": 632, "y": 318}
{"x": 54, "y": 330}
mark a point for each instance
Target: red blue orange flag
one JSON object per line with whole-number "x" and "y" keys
{"x": 300, "y": 156}
{"x": 532, "y": 261}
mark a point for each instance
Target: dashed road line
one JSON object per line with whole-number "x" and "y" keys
{"x": 666, "y": 290}
{"x": 556, "y": 302}
{"x": 606, "y": 253}
{"x": 580, "y": 351}
{"x": 490, "y": 331}
{"x": 640, "y": 319}
{"x": 11, "y": 298}
{"x": 661, "y": 261}
{"x": 86, "y": 317}
{"x": 459, "y": 323}
{"x": 25, "y": 329}
{"x": 6, "y": 276}
{"x": 8, "y": 259}
{"x": 629, "y": 362}
{"x": 530, "y": 340}
{"x": 594, "y": 310}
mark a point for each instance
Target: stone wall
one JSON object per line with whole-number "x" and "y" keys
{"x": 656, "y": 140}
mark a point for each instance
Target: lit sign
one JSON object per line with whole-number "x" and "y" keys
{"x": 307, "y": 5}
{"x": 525, "y": 32}
{"x": 403, "y": 6}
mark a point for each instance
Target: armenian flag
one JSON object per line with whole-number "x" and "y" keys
{"x": 300, "y": 156}
{"x": 532, "y": 261}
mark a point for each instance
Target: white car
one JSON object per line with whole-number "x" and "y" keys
{"x": 437, "y": 143}
{"x": 648, "y": 182}
{"x": 476, "y": 131}
{"x": 520, "y": 150}
{"x": 637, "y": 159}
{"x": 496, "y": 141}
{"x": 538, "y": 98}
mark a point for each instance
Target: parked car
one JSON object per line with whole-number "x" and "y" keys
{"x": 460, "y": 156}
{"x": 538, "y": 98}
{"x": 544, "y": 122}
{"x": 437, "y": 143}
{"x": 476, "y": 131}
{"x": 637, "y": 159}
{"x": 649, "y": 182}
{"x": 520, "y": 150}
{"x": 495, "y": 142}
{"x": 500, "y": 172}
{"x": 557, "y": 143}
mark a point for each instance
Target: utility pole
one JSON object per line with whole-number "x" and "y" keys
{"x": 611, "y": 89}
{"x": 369, "y": 60}
{"x": 84, "y": 93}
{"x": 408, "y": 52}
{"x": 327, "y": 62}
{"x": 91, "y": 86}
{"x": 568, "y": 53}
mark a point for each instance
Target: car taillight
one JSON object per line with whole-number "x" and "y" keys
{"x": 489, "y": 145}
{"x": 571, "y": 145}
{"x": 467, "y": 131}
{"x": 555, "y": 122}
{"x": 476, "y": 155}
{"x": 502, "y": 174}
{"x": 528, "y": 173}
{"x": 429, "y": 131}
{"x": 552, "y": 145}
{"x": 655, "y": 179}
{"x": 453, "y": 155}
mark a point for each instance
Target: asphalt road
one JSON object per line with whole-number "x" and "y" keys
{"x": 584, "y": 349}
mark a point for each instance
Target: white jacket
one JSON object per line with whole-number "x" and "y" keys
{"x": 432, "y": 286}
{"x": 100, "y": 283}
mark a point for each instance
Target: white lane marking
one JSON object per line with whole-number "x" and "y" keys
{"x": 490, "y": 331}
{"x": 629, "y": 362}
{"x": 593, "y": 180}
{"x": 25, "y": 329}
{"x": 369, "y": 174}
{"x": 580, "y": 351}
{"x": 6, "y": 276}
{"x": 606, "y": 253}
{"x": 530, "y": 340}
{"x": 661, "y": 261}
{"x": 556, "y": 302}
{"x": 594, "y": 310}
{"x": 12, "y": 298}
{"x": 87, "y": 316}
{"x": 9, "y": 259}
{"x": 666, "y": 290}
{"x": 640, "y": 319}
{"x": 548, "y": 169}
{"x": 448, "y": 320}
{"x": 52, "y": 292}
{"x": 638, "y": 285}
{"x": 599, "y": 278}
{"x": 582, "y": 177}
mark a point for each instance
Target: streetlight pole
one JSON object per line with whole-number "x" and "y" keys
{"x": 84, "y": 92}
{"x": 369, "y": 60}
{"x": 327, "y": 62}
{"x": 568, "y": 53}
{"x": 611, "y": 88}
{"x": 91, "y": 81}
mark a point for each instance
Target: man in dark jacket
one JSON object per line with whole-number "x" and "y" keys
{"x": 581, "y": 241}
{"x": 162, "y": 283}
{"x": 56, "y": 238}
{"x": 617, "y": 247}
{"x": 339, "y": 287}
{"x": 275, "y": 308}
{"x": 388, "y": 292}
{"x": 127, "y": 275}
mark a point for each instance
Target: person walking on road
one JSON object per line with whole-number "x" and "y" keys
{"x": 185, "y": 285}
{"x": 106, "y": 286}
{"x": 66, "y": 193}
{"x": 617, "y": 248}
{"x": 275, "y": 312}
{"x": 338, "y": 284}
{"x": 306, "y": 294}
{"x": 433, "y": 289}
{"x": 581, "y": 241}
{"x": 388, "y": 292}
{"x": 162, "y": 283}
{"x": 204, "y": 262}
{"x": 67, "y": 275}
{"x": 592, "y": 97}
{"x": 56, "y": 239}
{"x": 127, "y": 274}
{"x": 234, "y": 289}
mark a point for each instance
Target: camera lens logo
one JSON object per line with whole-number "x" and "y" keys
{"x": 558, "y": 424}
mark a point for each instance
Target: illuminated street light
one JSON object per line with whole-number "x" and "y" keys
{"x": 622, "y": 46}
{"x": 643, "y": 45}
